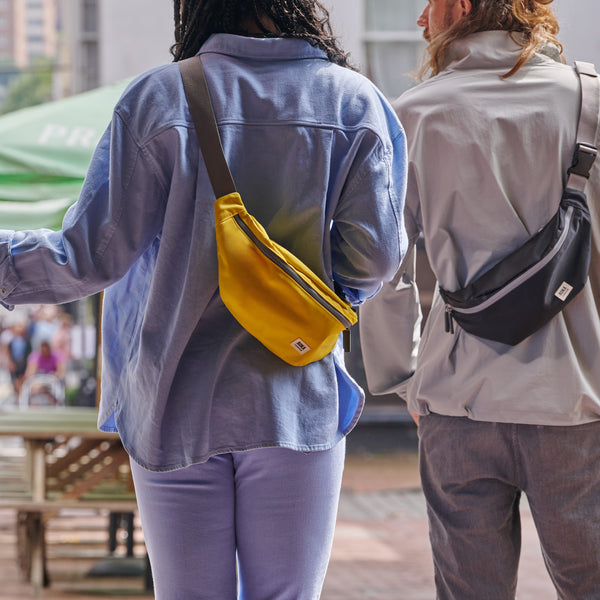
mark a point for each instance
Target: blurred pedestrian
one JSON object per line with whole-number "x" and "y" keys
{"x": 45, "y": 361}
{"x": 43, "y": 324}
{"x": 491, "y": 134}
{"x": 18, "y": 347}
{"x": 44, "y": 375}
{"x": 237, "y": 456}
{"x": 61, "y": 340}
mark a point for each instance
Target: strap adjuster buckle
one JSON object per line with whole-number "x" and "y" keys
{"x": 583, "y": 159}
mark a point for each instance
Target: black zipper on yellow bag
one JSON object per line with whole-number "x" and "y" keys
{"x": 273, "y": 257}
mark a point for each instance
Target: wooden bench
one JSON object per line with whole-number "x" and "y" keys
{"x": 66, "y": 464}
{"x": 31, "y": 521}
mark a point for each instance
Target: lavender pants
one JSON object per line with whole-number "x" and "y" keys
{"x": 267, "y": 514}
{"x": 473, "y": 474}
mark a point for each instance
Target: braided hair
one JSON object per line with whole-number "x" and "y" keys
{"x": 197, "y": 20}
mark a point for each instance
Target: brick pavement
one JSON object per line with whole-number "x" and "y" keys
{"x": 381, "y": 549}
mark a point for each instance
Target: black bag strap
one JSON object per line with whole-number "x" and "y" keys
{"x": 201, "y": 109}
{"x": 586, "y": 149}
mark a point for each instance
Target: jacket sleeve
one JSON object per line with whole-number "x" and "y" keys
{"x": 390, "y": 331}
{"x": 390, "y": 323}
{"x": 368, "y": 239}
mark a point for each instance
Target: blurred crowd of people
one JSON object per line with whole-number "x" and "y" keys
{"x": 35, "y": 349}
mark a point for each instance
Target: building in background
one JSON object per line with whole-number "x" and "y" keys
{"x": 79, "y": 47}
{"x": 7, "y": 70}
{"x": 106, "y": 41}
{"x": 97, "y": 42}
{"x": 83, "y": 43}
{"x": 28, "y": 34}
{"x": 27, "y": 30}
{"x": 382, "y": 38}
{"x": 7, "y": 29}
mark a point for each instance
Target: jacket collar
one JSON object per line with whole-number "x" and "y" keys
{"x": 491, "y": 50}
{"x": 261, "y": 48}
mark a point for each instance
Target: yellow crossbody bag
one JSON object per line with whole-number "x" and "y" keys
{"x": 270, "y": 292}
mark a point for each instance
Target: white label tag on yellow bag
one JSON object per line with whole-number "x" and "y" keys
{"x": 300, "y": 346}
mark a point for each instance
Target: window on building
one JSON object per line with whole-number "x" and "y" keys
{"x": 89, "y": 16}
{"x": 89, "y": 65}
{"x": 35, "y": 8}
{"x": 89, "y": 54}
{"x": 394, "y": 43}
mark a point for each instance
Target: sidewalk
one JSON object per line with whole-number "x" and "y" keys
{"x": 381, "y": 549}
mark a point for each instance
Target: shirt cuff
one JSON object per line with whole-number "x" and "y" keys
{"x": 8, "y": 277}
{"x": 358, "y": 297}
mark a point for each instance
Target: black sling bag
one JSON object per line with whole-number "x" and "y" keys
{"x": 527, "y": 288}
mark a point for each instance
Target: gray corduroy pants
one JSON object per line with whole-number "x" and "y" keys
{"x": 473, "y": 474}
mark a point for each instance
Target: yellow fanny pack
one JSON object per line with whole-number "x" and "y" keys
{"x": 270, "y": 292}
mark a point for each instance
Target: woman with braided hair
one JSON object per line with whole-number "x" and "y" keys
{"x": 237, "y": 456}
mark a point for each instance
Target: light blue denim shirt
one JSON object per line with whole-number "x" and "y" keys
{"x": 319, "y": 158}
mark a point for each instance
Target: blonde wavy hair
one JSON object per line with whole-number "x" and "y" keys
{"x": 532, "y": 25}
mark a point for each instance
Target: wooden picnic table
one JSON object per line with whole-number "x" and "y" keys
{"x": 44, "y": 421}
{"x": 69, "y": 464}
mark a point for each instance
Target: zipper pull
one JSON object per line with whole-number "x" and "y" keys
{"x": 347, "y": 340}
{"x": 449, "y": 321}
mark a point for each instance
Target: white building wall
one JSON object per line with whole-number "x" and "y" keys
{"x": 348, "y": 23}
{"x": 580, "y": 29}
{"x": 134, "y": 36}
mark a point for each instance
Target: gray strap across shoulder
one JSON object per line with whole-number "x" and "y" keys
{"x": 201, "y": 109}
{"x": 587, "y": 130}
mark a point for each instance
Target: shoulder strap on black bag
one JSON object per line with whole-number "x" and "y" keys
{"x": 201, "y": 109}
{"x": 587, "y": 130}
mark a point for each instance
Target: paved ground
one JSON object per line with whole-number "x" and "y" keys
{"x": 381, "y": 549}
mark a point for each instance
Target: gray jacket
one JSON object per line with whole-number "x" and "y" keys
{"x": 487, "y": 164}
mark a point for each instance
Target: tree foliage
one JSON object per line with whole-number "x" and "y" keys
{"x": 32, "y": 87}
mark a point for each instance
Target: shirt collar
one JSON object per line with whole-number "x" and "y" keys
{"x": 261, "y": 48}
{"x": 489, "y": 50}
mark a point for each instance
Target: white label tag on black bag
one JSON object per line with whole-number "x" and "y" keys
{"x": 562, "y": 293}
{"x": 300, "y": 346}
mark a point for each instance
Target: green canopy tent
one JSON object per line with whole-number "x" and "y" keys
{"x": 45, "y": 151}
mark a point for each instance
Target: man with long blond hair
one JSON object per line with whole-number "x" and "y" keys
{"x": 491, "y": 135}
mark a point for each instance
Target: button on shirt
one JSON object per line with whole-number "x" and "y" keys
{"x": 318, "y": 156}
